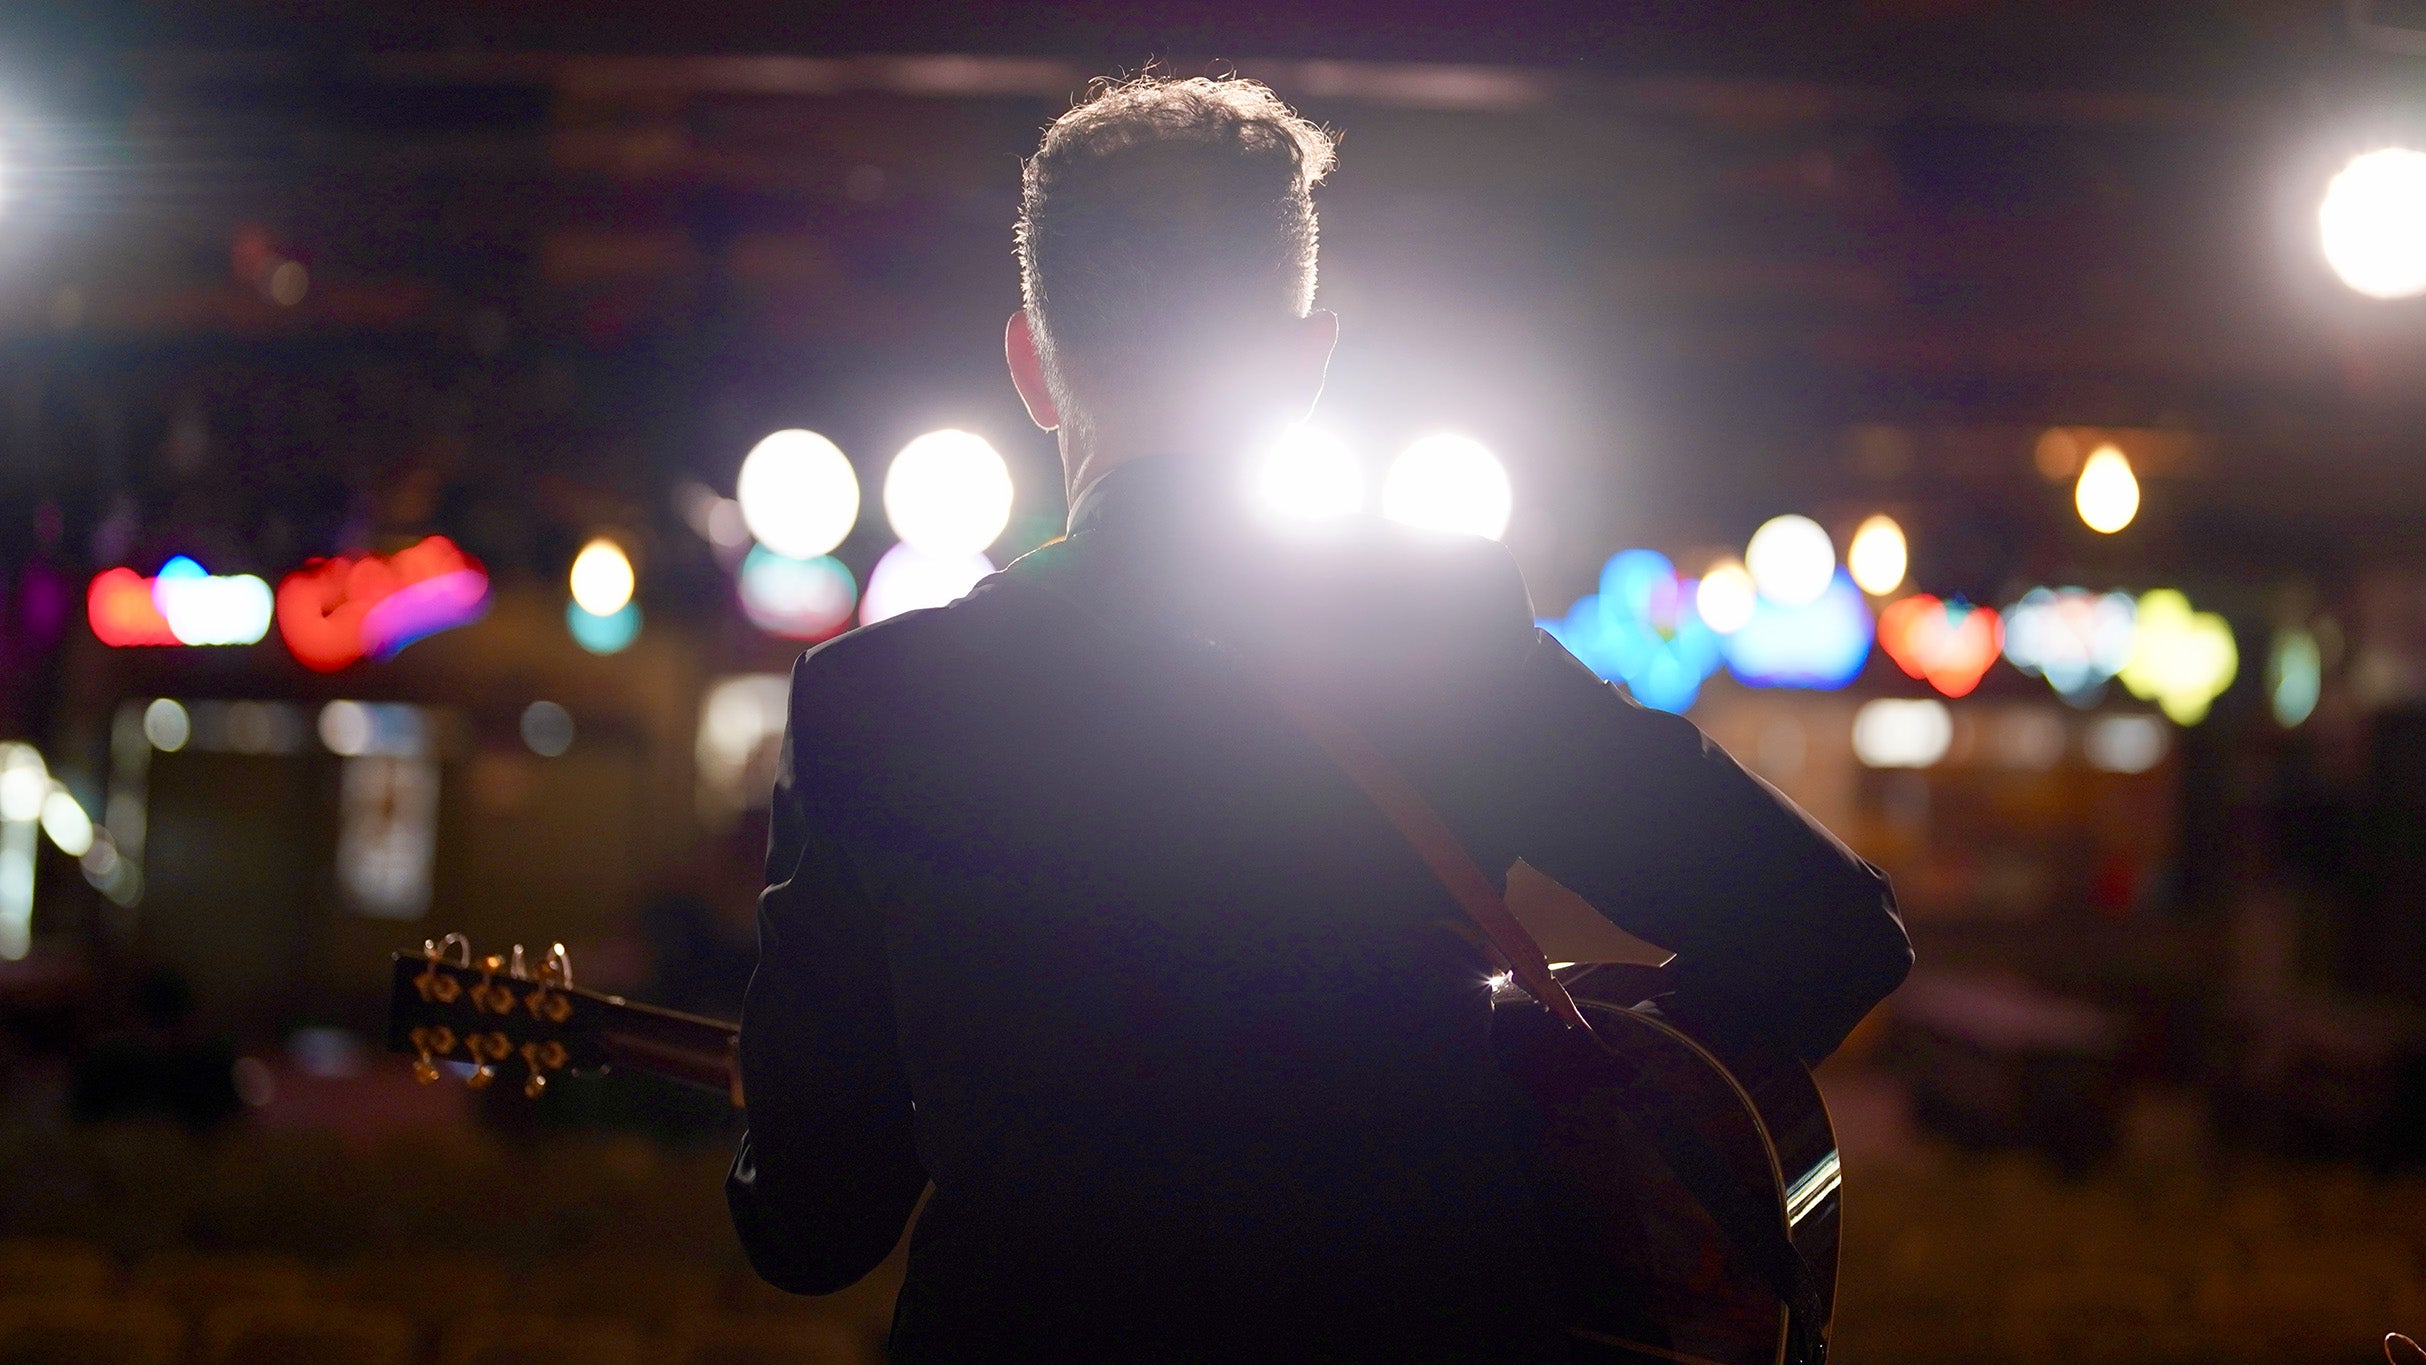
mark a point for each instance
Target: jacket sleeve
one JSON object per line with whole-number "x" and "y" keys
{"x": 827, "y": 1175}
{"x": 1781, "y": 933}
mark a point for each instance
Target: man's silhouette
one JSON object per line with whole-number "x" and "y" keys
{"x": 1066, "y": 917}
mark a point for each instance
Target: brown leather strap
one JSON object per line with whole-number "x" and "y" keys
{"x": 1441, "y": 851}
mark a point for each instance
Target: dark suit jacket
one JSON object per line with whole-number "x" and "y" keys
{"x": 1065, "y": 916}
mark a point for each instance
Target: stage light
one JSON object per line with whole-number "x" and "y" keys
{"x": 947, "y": 494}
{"x": 608, "y": 634}
{"x": 166, "y": 725}
{"x": 1308, "y": 476}
{"x": 547, "y": 728}
{"x": 1878, "y": 556}
{"x": 798, "y": 494}
{"x": 2373, "y": 223}
{"x": 906, "y": 580}
{"x": 2124, "y": 744}
{"x": 2108, "y": 494}
{"x": 1726, "y": 597}
{"x": 1791, "y": 560}
{"x": 2295, "y": 676}
{"x": 2074, "y": 639}
{"x": 2180, "y": 659}
{"x": 25, "y": 782}
{"x": 1821, "y": 645}
{"x": 796, "y": 599}
{"x": 1448, "y": 483}
{"x": 1642, "y": 629}
{"x": 1951, "y": 645}
{"x": 66, "y": 823}
{"x": 602, "y": 578}
{"x": 1893, "y": 733}
{"x": 183, "y": 605}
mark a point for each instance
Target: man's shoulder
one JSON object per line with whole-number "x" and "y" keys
{"x": 880, "y": 656}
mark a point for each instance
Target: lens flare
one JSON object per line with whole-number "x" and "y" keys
{"x": 2373, "y": 223}
{"x": 2108, "y": 494}
{"x": 602, "y": 580}
{"x": 1449, "y": 483}
{"x": 1308, "y": 476}
{"x": 1878, "y": 556}
{"x": 1791, "y": 560}
{"x": 948, "y": 494}
{"x": 798, "y": 494}
{"x": 796, "y": 599}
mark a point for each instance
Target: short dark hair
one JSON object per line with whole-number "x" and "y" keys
{"x": 1156, "y": 208}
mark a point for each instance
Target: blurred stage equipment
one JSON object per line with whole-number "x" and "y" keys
{"x": 1878, "y": 556}
{"x": 184, "y": 605}
{"x": 2108, "y": 493}
{"x": 1448, "y": 483}
{"x": 948, "y": 494}
{"x": 2180, "y": 659}
{"x": 798, "y": 494}
{"x": 741, "y": 720}
{"x": 1950, "y": 645}
{"x": 332, "y": 612}
{"x": 2372, "y": 223}
{"x": 1642, "y": 629}
{"x": 387, "y": 835}
{"x": 907, "y": 579}
{"x": 1308, "y": 476}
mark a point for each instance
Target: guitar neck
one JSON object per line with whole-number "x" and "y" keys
{"x": 445, "y": 1011}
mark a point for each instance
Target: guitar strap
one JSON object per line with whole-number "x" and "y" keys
{"x": 1751, "y": 1225}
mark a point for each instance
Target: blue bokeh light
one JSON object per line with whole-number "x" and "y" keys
{"x": 1641, "y": 630}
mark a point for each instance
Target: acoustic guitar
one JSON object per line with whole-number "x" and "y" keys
{"x": 1673, "y": 1175}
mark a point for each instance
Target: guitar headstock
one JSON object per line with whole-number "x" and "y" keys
{"x": 492, "y": 1014}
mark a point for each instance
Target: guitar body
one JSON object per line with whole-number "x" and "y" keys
{"x": 1649, "y": 1275}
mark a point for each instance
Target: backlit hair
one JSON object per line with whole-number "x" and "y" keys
{"x": 1160, "y": 219}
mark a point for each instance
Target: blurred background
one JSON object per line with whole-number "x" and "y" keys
{"x": 428, "y": 432}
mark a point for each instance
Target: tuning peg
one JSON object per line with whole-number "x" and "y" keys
{"x": 429, "y": 1044}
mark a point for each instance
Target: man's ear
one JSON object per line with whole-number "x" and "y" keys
{"x": 1028, "y": 372}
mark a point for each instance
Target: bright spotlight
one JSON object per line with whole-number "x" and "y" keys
{"x": 1448, "y": 483}
{"x": 906, "y": 580}
{"x": 25, "y": 782}
{"x": 798, "y": 494}
{"x": 1726, "y": 597}
{"x": 1307, "y": 476}
{"x": 2373, "y": 223}
{"x": 602, "y": 578}
{"x": 1791, "y": 560}
{"x": 1878, "y": 556}
{"x": 2108, "y": 494}
{"x": 948, "y": 494}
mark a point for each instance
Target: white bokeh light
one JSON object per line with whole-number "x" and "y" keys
{"x": 2373, "y": 223}
{"x": 1878, "y": 556}
{"x": 602, "y": 577}
{"x": 1448, "y": 483}
{"x": 1726, "y": 597}
{"x": 1894, "y": 733}
{"x": 1309, "y": 475}
{"x": 906, "y": 580}
{"x": 798, "y": 494}
{"x": 1791, "y": 560}
{"x": 948, "y": 494}
{"x": 2108, "y": 494}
